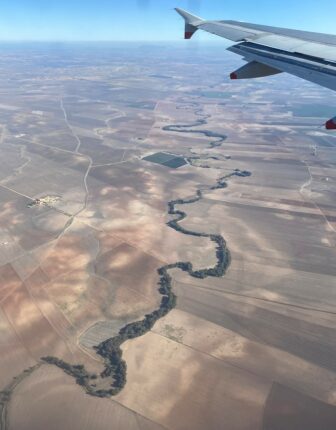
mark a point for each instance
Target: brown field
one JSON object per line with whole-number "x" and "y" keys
{"x": 181, "y": 388}
{"x": 49, "y": 399}
{"x": 253, "y": 350}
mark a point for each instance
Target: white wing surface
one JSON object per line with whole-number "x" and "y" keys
{"x": 271, "y": 50}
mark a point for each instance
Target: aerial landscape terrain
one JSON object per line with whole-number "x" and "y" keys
{"x": 167, "y": 242}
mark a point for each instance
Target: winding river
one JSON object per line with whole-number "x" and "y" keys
{"x": 115, "y": 367}
{"x": 112, "y": 379}
{"x": 189, "y": 128}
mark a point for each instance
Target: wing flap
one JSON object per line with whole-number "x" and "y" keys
{"x": 331, "y": 124}
{"x": 254, "y": 70}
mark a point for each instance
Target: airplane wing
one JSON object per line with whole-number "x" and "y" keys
{"x": 272, "y": 50}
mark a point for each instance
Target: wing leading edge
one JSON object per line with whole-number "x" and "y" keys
{"x": 272, "y": 50}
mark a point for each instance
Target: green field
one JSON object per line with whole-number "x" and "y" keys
{"x": 168, "y": 160}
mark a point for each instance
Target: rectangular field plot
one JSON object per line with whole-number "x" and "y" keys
{"x": 165, "y": 159}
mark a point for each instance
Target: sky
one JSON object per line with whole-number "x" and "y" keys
{"x": 149, "y": 20}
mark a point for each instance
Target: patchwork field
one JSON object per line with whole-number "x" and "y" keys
{"x": 167, "y": 244}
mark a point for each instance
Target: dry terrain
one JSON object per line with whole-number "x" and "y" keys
{"x": 89, "y": 245}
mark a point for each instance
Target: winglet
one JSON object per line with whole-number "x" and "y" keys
{"x": 191, "y": 22}
{"x": 188, "y": 17}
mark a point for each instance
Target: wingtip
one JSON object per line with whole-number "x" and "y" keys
{"x": 187, "y": 16}
{"x": 180, "y": 11}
